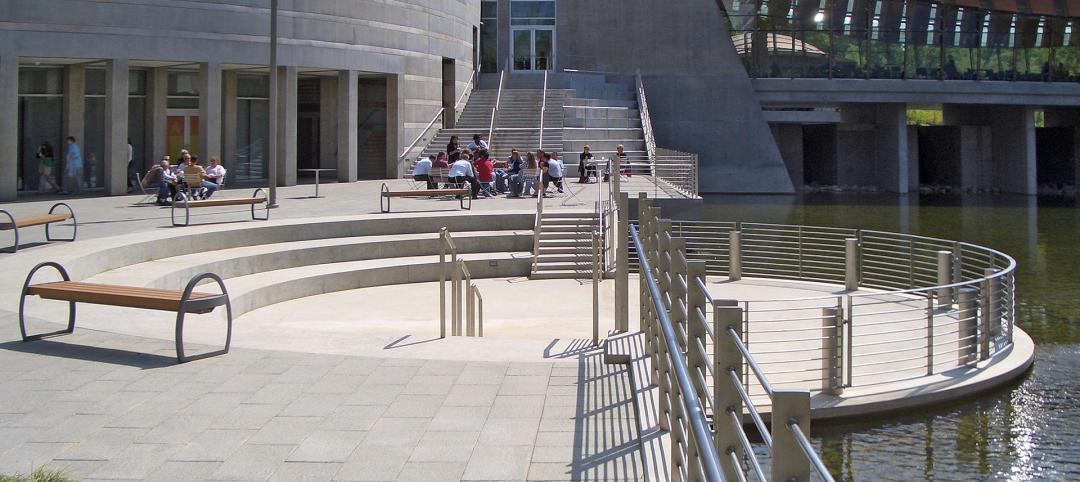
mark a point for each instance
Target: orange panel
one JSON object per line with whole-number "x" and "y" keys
{"x": 1073, "y": 8}
{"x": 1042, "y": 7}
{"x": 968, "y": 3}
{"x": 1003, "y": 5}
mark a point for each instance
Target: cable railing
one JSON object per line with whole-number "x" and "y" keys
{"x": 462, "y": 289}
{"x": 675, "y": 302}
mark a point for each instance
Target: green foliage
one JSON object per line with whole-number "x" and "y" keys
{"x": 40, "y": 475}
{"x": 924, "y": 117}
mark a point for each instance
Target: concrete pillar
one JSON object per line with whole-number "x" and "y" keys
{"x": 116, "y": 126}
{"x": 1012, "y": 142}
{"x": 74, "y": 112}
{"x": 286, "y": 155}
{"x": 229, "y": 118}
{"x": 156, "y": 103}
{"x": 348, "y": 96}
{"x": 327, "y": 122}
{"x": 891, "y": 146}
{"x": 395, "y": 96}
{"x": 209, "y": 110}
{"x": 735, "y": 255}
{"x": 913, "y": 158}
{"x": 789, "y": 138}
{"x": 9, "y": 126}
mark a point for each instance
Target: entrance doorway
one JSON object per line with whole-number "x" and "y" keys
{"x": 182, "y": 132}
{"x": 534, "y": 49}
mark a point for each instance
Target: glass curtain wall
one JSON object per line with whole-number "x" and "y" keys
{"x": 41, "y": 120}
{"x": 532, "y": 26}
{"x": 894, "y": 39}
{"x": 252, "y": 127}
{"x": 93, "y": 142}
{"x": 489, "y": 36}
{"x": 140, "y": 159}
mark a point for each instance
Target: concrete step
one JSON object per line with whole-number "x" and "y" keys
{"x": 584, "y": 229}
{"x": 585, "y": 266}
{"x": 560, "y": 275}
{"x": 584, "y": 257}
{"x": 561, "y": 243}
{"x": 545, "y": 235}
{"x": 578, "y": 251}
{"x": 567, "y": 214}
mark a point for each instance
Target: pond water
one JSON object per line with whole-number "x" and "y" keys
{"x": 1028, "y": 431}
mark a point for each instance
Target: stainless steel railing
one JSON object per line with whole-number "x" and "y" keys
{"x": 672, "y": 169}
{"x": 461, "y": 289}
{"x": 494, "y": 113}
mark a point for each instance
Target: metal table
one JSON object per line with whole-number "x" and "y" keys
{"x": 316, "y": 171}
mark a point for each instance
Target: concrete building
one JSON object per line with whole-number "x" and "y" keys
{"x": 771, "y": 95}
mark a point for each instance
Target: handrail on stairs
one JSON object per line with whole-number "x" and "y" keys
{"x": 543, "y": 111}
{"x": 494, "y": 112}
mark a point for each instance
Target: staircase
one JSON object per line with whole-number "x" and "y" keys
{"x": 517, "y": 123}
{"x": 565, "y": 246}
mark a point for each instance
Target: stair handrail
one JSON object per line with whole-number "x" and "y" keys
{"x": 459, "y": 106}
{"x": 646, "y": 123}
{"x": 405, "y": 154}
{"x": 494, "y": 112}
{"x": 539, "y": 214}
{"x": 543, "y": 110}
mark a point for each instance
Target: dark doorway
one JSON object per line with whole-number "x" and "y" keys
{"x": 371, "y": 133}
{"x": 1056, "y": 156}
{"x": 819, "y": 154}
{"x": 307, "y": 123}
{"x": 449, "y": 80}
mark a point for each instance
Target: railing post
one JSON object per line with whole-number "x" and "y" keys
{"x": 944, "y": 277}
{"x": 984, "y": 319}
{"x": 788, "y": 462}
{"x": 967, "y": 317}
{"x": 663, "y": 257}
{"x": 727, "y": 358}
{"x": 622, "y": 262}
{"x": 596, "y": 288}
{"x": 442, "y": 282}
{"x": 735, "y": 255}
{"x": 679, "y": 287}
{"x": 644, "y": 203}
{"x": 455, "y": 297}
{"x": 851, "y": 264}
{"x": 468, "y": 295}
{"x": 470, "y": 310}
{"x": 695, "y": 308}
{"x": 929, "y": 333}
{"x": 831, "y": 327}
{"x": 994, "y": 302}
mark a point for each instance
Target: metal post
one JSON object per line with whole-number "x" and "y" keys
{"x": 596, "y": 269}
{"x": 696, "y": 342}
{"x": 944, "y": 277}
{"x": 470, "y": 309}
{"x": 455, "y": 298}
{"x": 851, "y": 264}
{"x": 831, "y": 326}
{"x": 622, "y": 262}
{"x": 727, "y": 358}
{"x": 442, "y": 283}
{"x": 968, "y": 325}
{"x": 272, "y": 141}
{"x": 994, "y": 302}
{"x": 679, "y": 287}
{"x": 466, "y": 293}
{"x": 480, "y": 314}
{"x": 644, "y": 203}
{"x": 984, "y": 320}
{"x": 735, "y": 256}
{"x": 929, "y": 333}
{"x": 789, "y": 406}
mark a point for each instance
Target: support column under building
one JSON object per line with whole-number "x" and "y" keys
{"x": 229, "y": 118}
{"x": 891, "y": 148}
{"x": 210, "y": 110}
{"x": 116, "y": 126}
{"x": 348, "y": 96}
{"x": 157, "y": 99}
{"x": 9, "y": 126}
{"x": 872, "y": 147}
{"x": 395, "y": 85}
{"x": 327, "y": 123}
{"x": 1012, "y": 142}
{"x": 286, "y": 155}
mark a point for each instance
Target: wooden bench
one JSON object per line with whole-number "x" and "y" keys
{"x": 182, "y": 202}
{"x": 181, "y": 302}
{"x": 45, "y": 219}
{"x": 462, "y": 193}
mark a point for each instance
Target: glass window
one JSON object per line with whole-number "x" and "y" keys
{"x": 252, "y": 132}
{"x": 184, "y": 83}
{"x": 41, "y": 80}
{"x": 253, "y": 86}
{"x": 489, "y": 36}
{"x": 95, "y": 82}
{"x": 40, "y": 122}
{"x": 93, "y": 144}
{"x": 137, "y": 82}
{"x": 532, "y": 12}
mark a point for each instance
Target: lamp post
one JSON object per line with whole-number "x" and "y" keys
{"x": 273, "y": 140}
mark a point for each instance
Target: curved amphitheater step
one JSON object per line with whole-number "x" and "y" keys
{"x": 565, "y": 246}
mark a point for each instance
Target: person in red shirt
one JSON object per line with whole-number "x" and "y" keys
{"x": 485, "y": 172}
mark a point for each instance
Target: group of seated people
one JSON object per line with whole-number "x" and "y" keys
{"x": 517, "y": 176}
{"x": 187, "y": 178}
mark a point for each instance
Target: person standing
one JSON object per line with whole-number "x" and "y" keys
{"x": 623, "y": 160}
{"x": 584, "y": 169}
{"x": 46, "y": 164}
{"x": 132, "y": 175}
{"x": 73, "y": 166}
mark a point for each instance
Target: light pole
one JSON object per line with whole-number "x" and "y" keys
{"x": 273, "y": 140}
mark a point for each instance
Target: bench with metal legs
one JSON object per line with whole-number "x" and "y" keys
{"x": 182, "y": 202}
{"x": 386, "y": 194}
{"x": 181, "y": 302}
{"x": 14, "y": 224}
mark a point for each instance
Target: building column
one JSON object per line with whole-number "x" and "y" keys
{"x": 1012, "y": 143}
{"x": 210, "y": 110}
{"x": 286, "y": 155}
{"x": 892, "y": 147}
{"x": 157, "y": 98}
{"x": 395, "y": 86}
{"x": 229, "y": 118}
{"x": 9, "y": 126}
{"x": 327, "y": 123}
{"x": 74, "y": 112}
{"x": 348, "y": 96}
{"x": 116, "y": 126}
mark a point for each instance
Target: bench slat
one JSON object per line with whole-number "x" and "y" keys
{"x": 226, "y": 202}
{"x": 128, "y": 296}
{"x": 35, "y": 221}
{"x": 427, "y": 193}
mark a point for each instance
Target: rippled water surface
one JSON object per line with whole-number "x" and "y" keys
{"x": 1029, "y": 431}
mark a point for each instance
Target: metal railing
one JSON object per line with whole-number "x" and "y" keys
{"x": 674, "y": 169}
{"x": 460, "y": 278}
{"x": 495, "y": 113}
{"x": 675, "y": 302}
{"x": 646, "y": 122}
{"x": 914, "y": 306}
{"x": 408, "y": 153}
{"x": 543, "y": 110}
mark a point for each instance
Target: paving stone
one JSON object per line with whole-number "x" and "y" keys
{"x": 178, "y": 429}
{"x": 214, "y": 445}
{"x": 517, "y": 406}
{"x": 137, "y": 461}
{"x": 353, "y": 417}
{"x": 529, "y": 369}
{"x": 374, "y": 394}
{"x": 431, "y": 471}
{"x": 397, "y": 431}
{"x": 249, "y": 416}
{"x": 442, "y": 367}
{"x": 171, "y": 471}
{"x": 76, "y": 469}
{"x": 26, "y": 457}
{"x": 103, "y": 444}
{"x": 501, "y": 462}
{"x": 445, "y": 447}
{"x": 509, "y": 431}
{"x": 74, "y": 428}
{"x": 327, "y": 446}
{"x": 305, "y": 472}
{"x": 415, "y": 406}
{"x": 356, "y": 366}
{"x": 302, "y": 374}
{"x": 286, "y": 430}
{"x": 313, "y": 405}
{"x": 402, "y": 362}
{"x": 252, "y": 462}
{"x": 215, "y": 403}
{"x": 147, "y": 415}
{"x": 391, "y": 375}
{"x": 482, "y": 374}
{"x": 471, "y": 395}
{"x": 558, "y": 453}
{"x": 276, "y": 393}
{"x": 244, "y": 383}
{"x": 524, "y": 385}
{"x": 555, "y": 471}
{"x": 337, "y": 383}
{"x": 429, "y": 385}
{"x": 459, "y": 419}
{"x": 371, "y": 462}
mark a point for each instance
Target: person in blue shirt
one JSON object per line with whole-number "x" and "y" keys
{"x": 73, "y": 166}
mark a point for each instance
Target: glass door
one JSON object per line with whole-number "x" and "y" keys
{"x": 182, "y": 132}
{"x": 534, "y": 49}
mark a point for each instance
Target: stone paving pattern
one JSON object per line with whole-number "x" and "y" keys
{"x": 105, "y": 406}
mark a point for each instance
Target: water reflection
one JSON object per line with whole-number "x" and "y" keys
{"x": 1030, "y": 431}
